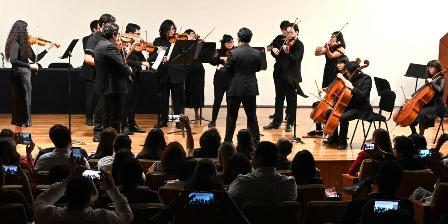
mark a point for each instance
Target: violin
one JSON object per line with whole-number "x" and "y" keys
{"x": 340, "y": 95}
{"x": 177, "y": 36}
{"x": 40, "y": 41}
{"x": 410, "y": 110}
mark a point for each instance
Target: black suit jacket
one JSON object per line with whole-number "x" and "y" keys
{"x": 242, "y": 64}
{"x": 173, "y": 73}
{"x": 112, "y": 72}
{"x": 291, "y": 63}
{"x": 362, "y": 84}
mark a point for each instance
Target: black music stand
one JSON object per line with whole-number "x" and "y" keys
{"x": 264, "y": 63}
{"x": 204, "y": 53}
{"x": 68, "y": 54}
{"x": 182, "y": 54}
{"x": 416, "y": 71}
{"x": 381, "y": 85}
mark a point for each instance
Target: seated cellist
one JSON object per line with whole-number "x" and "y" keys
{"x": 358, "y": 107}
{"x": 434, "y": 108}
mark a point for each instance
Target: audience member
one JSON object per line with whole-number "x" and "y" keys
{"x": 406, "y": 154}
{"x": 121, "y": 142}
{"x": 226, "y": 150}
{"x": 154, "y": 145}
{"x": 238, "y": 164}
{"x": 105, "y": 144}
{"x": 419, "y": 141}
{"x": 303, "y": 168}
{"x": 119, "y": 158}
{"x": 58, "y": 173}
{"x": 6, "y": 133}
{"x": 204, "y": 177}
{"x": 172, "y": 158}
{"x": 186, "y": 172}
{"x": 245, "y": 143}
{"x": 209, "y": 144}
{"x": 9, "y": 154}
{"x": 284, "y": 147}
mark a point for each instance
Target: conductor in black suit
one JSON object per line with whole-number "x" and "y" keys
{"x": 112, "y": 74}
{"x": 242, "y": 64}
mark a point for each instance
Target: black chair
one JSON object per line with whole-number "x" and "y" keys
{"x": 387, "y": 103}
{"x": 60, "y": 65}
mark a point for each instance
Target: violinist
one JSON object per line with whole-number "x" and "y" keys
{"x": 19, "y": 52}
{"x": 112, "y": 74}
{"x": 86, "y": 75}
{"x": 359, "y": 106}
{"x": 221, "y": 79}
{"x": 332, "y": 51}
{"x": 170, "y": 76}
{"x": 194, "y": 82}
{"x": 89, "y": 51}
{"x": 136, "y": 60}
{"x": 434, "y": 108}
{"x": 290, "y": 59}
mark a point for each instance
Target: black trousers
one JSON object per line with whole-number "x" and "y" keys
{"x": 177, "y": 96}
{"x": 285, "y": 90}
{"x": 318, "y": 125}
{"x": 219, "y": 94}
{"x": 99, "y": 118}
{"x": 92, "y": 98}
{"x": 131, "y": 103}
{"x": 250, "y": 107}
{"x": 347, "y": 116}
{"x": 21, "y": 96}
{"x": 114, "y": 109}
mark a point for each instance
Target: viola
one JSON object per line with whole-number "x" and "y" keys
{"x": 40, "y": 41}
{"x": 177, "y": 36}
{"x": 410, "y": 110}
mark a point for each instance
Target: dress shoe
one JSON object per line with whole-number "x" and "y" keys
{"x": 271, "y": 126}
{"x": 126, "y": 130}
{"x": 342, "y": 146}
{"x": 135, "y": 128}
{"x": 96, "y": 136}
{"x": 179, "y": 125}
{"x": 289, "y": 127}
{"x": 211, "y": 125}
{"x": 271, "y": 116}
{"x": 161, "y": 124}
{"x": 315, "y": 132}
{"x": 330, "y": 141}
{"x": 89, "y": 122}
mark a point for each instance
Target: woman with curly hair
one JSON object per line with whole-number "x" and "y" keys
{"x": 18, "y": 51}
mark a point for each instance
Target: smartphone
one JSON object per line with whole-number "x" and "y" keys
{"x": 25, "y": 138}
{"x": 424, "y": 153}
{"x": 9, "y": 169}
{"x": 92, "y": 174}
{"x": 369, "y": 146}
{"x": 174, "y": 117}
{"x": 76, "y": 153}
{"x": 201, "y": 198}
{"x": 382, "y": 206}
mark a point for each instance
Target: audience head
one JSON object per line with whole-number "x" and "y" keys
{"x": 204, "y": 177}
{"x": 303, "y": 167}
{"x": 419, "y": 141}
{"x": 404, "y": 148}
{"x": 244, "y": 35}
{"x": 60, "y": 136}
{"x": 266, "y": 155}
{"x": 284, "y": 146}
{"x": 106, "y": 143}
{"x": 79, "y": 193}
{"x": 120, "y": 156}
{"x": 8, "y": 152}
{"x": 154, "y": 143}
{"x": 210, "y": 141}
{"x": 172, "y": 157}
{"x": 122, "y": 142}
{"x": 58, "y": 173}
{"x": 6, "y": 133}
{"x": 381, "y": 138}
{"x": 399, "y": 216}
{"x": 388, "y": 178}
{"x": 226, "y": 150}
{"x": 130, "y": 173}
{"x": 238, "y": 164}
{"x": 245, "y": 143}
{"x": 187, "y": 169}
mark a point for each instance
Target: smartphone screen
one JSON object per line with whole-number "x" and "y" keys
{"x": 201, "y": 198}
{"x": 76, "y": 153}
{"x": 92, "y": 174}
{"x": 25, "y": 137}
{"x": 368, "y": 147}
{"x": 424, "y": 153}
{"x": 9, "y": 169}
{"x": 382, "y": 206}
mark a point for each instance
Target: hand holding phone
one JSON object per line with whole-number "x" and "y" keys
{"x": 201, "y": 198}
{"x": 369, "y": 147}
{"x": 25, "y": 138}
{"x": 76, "y": 153}
{"x": 92, "y": 174}
{"x": 10, "y": 169}
{"x": 424, "y": 153}
{"x": 382, "y": 206}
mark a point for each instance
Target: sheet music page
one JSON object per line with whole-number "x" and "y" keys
{"x": 158, "y": 59}
{"x": 170, "y": 51}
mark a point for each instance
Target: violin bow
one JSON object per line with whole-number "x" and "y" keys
{"x": 338, "y": 32}
{"x": 208, "y": 33}
{"x": 402, "y": 90}
{"x": 36, "y": 55}
{"x": 317, "y": 86}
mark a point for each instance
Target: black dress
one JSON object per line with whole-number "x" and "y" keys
{"x": 434, "y": 108}
{"x": 330, "y": 70}
{"x": 21, "y": 85}
{"x": 194, "y": 86}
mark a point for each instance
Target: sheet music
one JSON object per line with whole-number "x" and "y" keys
{"x": 170, "y": 51}
{"x": 158, "y": 59}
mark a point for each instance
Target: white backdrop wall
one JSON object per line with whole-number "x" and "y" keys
{"x": 391, "y": 34}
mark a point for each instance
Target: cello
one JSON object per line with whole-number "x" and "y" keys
{"x": 341, "y": 101}
{"x": 410, "y": 110}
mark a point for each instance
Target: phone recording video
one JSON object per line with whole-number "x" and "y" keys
{"x": 368, "y": 147}
{"x": 382, "y": 206}
{"x": 25, "y": 138}
{"x": 201, "y": 198}
{"x": 92, "y": 174}
{"x": 76, "y": 152}
{"x": 9, "y": 169}
{"x": 424, "y": 153}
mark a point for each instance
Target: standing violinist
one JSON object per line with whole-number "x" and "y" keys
{"x": 290, "y": 58}
{"x": 170, "y": 76}
{"x": 434, "y": 108}
{"x": 18, "y": 51}
{"x": 136, "y": 60}
{"x": 194, "y": 82}
{"x": 359, "y": 106}
{"x": 221, "y": 79}
{"x": 332, "y": 51}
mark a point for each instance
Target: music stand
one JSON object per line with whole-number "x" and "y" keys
{"x": 264, "y": 63}
{"x": 68, "y": 54}
{"x": 416, "y": 71}
{"x": 182, "y": 54}
{"x": 381, "y": 85}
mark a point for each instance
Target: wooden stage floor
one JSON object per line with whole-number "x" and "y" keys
{"x": 335, "y": 161}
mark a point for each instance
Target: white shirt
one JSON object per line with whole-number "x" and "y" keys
{"x": 263, "y": 185}
{"x": 106, "y": 162}
{"x": 46, "y": 212}
{"x": 57, "y": 157}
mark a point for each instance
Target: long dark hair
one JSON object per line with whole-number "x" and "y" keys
{"x": 154, "y": 145}
{"x": 18, "y": 34}
{"x": 382, "y": 139}
{"x": 303, "y": 167}
{"x": 106, "y": 143}
{"x": 165, "y": 27}
{"x": 339, "y": 38}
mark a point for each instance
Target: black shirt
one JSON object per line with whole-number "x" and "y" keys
{"x": 89, "y": 48}
{"x": 87, "y": 71}
{"x": 17, "y": 60}
{"x": 134, "y": 61}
